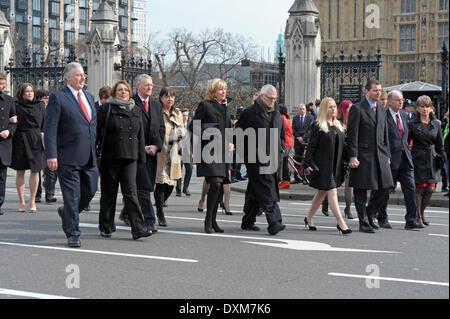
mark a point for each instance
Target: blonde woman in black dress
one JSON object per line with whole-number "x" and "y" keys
{"x": 324, "y": 162}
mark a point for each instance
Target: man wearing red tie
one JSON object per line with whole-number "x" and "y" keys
{"x": 154, "y": 130}
{"x": 368, "y": 149}
{"x": 402, "y": 167}
{"x": 70, "y": 132}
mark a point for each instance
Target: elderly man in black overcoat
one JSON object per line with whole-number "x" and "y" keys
{"x": 368, "y": 149}
{"x": 262, "y": 187}
{"x": 8, "y": 125}
{"x": 154, "y": 131}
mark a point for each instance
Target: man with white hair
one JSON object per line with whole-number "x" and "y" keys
{"x": 70, "y": 131}
{"x": 300, "y": 126}
{"x": 402, "y": 167}
{"x": 262, "y": 188}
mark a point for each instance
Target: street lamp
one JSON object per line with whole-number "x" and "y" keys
{"x": 444, "y": 65}
{"x": 282, "y": 70}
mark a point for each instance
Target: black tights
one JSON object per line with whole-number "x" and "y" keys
{"x": 161, "y": 194}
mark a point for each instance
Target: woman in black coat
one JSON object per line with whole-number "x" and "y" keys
{"x": 427, "y": 153}
{"x": 324, "y": 161}
{"x": 122, "y": 149}
{"x": 28, "y": 148}
{"x": 213, "y": 114}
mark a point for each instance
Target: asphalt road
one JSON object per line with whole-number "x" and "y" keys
{"x": 182, "y": 262}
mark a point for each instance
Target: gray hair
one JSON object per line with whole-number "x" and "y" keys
{"x": 70, "y": 67}
{"x": 142, "y": 77}
{"x": 301, "y": 105}
{"x": 391, "y": 94}
{"x": 266, "y": 88}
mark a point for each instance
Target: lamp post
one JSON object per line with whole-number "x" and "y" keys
{"x": 282, "y": 72}
{"x": 444, "y": 64}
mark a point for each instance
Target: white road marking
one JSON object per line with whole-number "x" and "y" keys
{"x": 390, "y": 279}
{"x": 76, "y": 250}
{"x": 282, "y": 243}
{"x": 19, "y": 293}
{"x": 438, "y": 235}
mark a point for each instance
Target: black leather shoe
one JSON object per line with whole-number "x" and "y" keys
{"x": 50, "y": 199}
{"x": 105, "y": 234}
{"x": 373, "y": 223}
{"x": 153, "y": 228}
{"x": 87, "y": 209}
{"x": 165, "y": 204}
{"x": 141, "y": 234}
{"x": 240, "y": 178}
{"x": 1, "y": 212}
{"x": 252, "y": 227}
{"x": 74, "y": 242}
{"x": 162, "y": 222}
{"x": 415, "y": 225}
{"x": 37, "y": 200}
{"x": 178, "y": 194}
{"x": 125, "y": 219}
{"x": 276, "y": 229}
{"x": 187, "y": 193}
{"x": 384, "y": 224}
{"x": 366, "y": 229}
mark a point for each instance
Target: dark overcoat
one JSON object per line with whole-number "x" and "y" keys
{"x": 262, "y": 187}
{"x": 154, "y": 132}
{"x": 367, "y": 139}
{"x": 325, "y": 151}
{"x": 7, "y": 111}
{"x": 212, "y": 115}
{"x": 124, "y": 137}
{"x": 427, "y": 150}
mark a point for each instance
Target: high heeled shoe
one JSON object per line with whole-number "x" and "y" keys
{"x": 226, "y": 213}
{"x": 342, "y": 231}
{"x": 200, "y": 210}
{"x": 312, "y": 228}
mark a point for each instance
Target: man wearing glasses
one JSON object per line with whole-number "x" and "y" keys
{"x": 262, "y": 188}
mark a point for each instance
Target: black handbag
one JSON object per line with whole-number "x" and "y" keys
{"x": 102, "y": 143}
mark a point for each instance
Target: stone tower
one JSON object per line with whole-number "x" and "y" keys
{"x": 302, "y": 39}
{"x": 6, "y": 44}
{"x": 102, "y": 45}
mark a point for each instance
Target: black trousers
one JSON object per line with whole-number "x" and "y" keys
{"x": 377, "y": 199}
{"x": 286, "y": 172}
{"x": 113, "y": 173}
{"x": 49, "y": 182}
{"x": 3, "y": 170}
{"x": 162, "y": 193}
{"x": 404, "y": 175}
{"x": 270, "y": 209}
{"x": 187, "y": 177}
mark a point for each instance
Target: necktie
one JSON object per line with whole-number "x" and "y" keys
{"x": 83, "y": 107}
{"x": 399, "y": 125}
{"x": 374, "y": 108}
{"x": 301, "y": 120}
{"x": 146, "y": 105}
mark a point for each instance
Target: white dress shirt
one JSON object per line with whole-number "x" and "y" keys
{"x": 83, "y": 97}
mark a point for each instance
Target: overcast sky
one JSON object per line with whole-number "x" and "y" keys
{"x": 261, "y": 20}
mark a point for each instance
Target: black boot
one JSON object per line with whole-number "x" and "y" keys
{"x": 212, "y": 203}
{"x": 159, "y": 202}
{"x": 208, "y": 223}
{"x": 216, "y": 227}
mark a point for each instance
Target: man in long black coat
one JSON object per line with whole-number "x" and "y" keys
{"x": 8, "y": 125}
{"x": 154, "y": 131}
{"x": 368, "y": 149}
{"x": 262, "y": 187}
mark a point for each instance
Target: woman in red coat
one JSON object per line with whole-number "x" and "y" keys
{"x": 289, "y": 144}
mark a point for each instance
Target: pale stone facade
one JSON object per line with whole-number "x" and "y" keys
{"x": 410, "y": 35}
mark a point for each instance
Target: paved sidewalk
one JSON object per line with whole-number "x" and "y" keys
{"x": 306, "y": 193}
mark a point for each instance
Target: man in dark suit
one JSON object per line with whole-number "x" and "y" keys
{"x": 262, "y": 188}
{"x": 300, "y": 126}
{"x": 186, "y": 158}
{"x": 154, "y": 130}
{"x": 368, "y": 149}
{"x": 103, "y": 95}
{"x": 8, "y": 125}
{"x": 70, "y": 132}
{"x": 402, "y": 167}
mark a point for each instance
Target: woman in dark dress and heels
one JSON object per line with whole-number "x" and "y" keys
{"x": 427, "y": 152}
{"x": 28, "y": 148}
{"x": 213, "y": 113}
{"x": 327, "y": 138}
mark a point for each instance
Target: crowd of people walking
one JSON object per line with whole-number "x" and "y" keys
{"x": 141, "y": 144}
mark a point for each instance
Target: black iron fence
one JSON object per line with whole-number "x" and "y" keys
{"x": 42, "y": 74}
{"x": 343, "y": 77}
{"x": 133, "y": 67}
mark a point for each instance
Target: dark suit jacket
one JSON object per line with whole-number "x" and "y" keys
{"x": 367, "y": 139}
{"x": 7, "y": 110}
{"x": 398, "y": 144}
{"x": 154, "y": 133}
{"x": 68, "y": 135}
{"x": 301, "y": 131}
{"x": 262, "y": 187}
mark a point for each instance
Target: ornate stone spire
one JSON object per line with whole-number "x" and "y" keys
{"x": 304, "y": 6}
{"x": 104, "y": 13}
{"x": 3, "y": 21}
